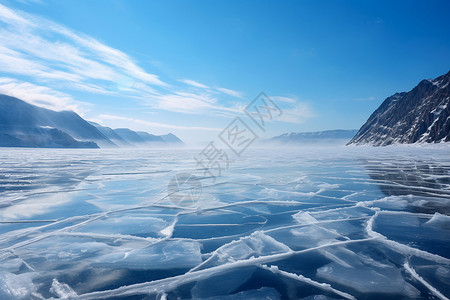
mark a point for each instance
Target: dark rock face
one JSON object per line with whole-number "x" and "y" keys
{"x": 421, "y": 115}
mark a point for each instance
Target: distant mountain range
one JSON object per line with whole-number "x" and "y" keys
{"x": 421, "y": 115}
{"x": 126, "y": 137}
{"x": 340, "y": 137}
{"x": 26, "y": 125}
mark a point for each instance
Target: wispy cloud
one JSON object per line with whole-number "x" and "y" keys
{"x": 191, "y": 103}
{"x": 230, "y": 92}
{"x": 297, "y": 114}
{"x": 10, "y": 16}
{"x": 47, "y": 54}
{"x": 37, "y": 47}
{"x": 103, "y": 117}
{"x": 284, "y": 99}
{"x": 39, "y": 95}
{"x": 194, "y": 83}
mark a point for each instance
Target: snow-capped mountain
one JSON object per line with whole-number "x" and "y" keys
{"x": 421, "y": 115}
{"x": 323, "y": 137}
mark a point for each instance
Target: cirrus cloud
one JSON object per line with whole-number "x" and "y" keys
{"x": 39, "y": 95}
{"x": 44, "y": 55}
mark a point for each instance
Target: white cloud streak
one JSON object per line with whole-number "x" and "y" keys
{"x": 104, "y": 117}
{"x": 284, "y": 99}
{"x": 229, "y": 92}
{"x": 194, "y": 83}
{"x": 49, "y": 54}
{"x": 297, "y": 114}
{"x": 37, "y": 47}
{"x": 39, "y": 95}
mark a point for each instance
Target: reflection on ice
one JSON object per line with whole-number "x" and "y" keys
{"x": 307, "y": 224}
{"x": 419, "y": 178}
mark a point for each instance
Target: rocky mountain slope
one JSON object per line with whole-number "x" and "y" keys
{"x": 421, "y": 115}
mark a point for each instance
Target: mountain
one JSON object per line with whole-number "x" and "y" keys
{"x": 171, "y": 139}
{"x": 129, "y": 135}
{"x": 111, "y": 135}
{"x": 17, "y": 116}
{"x": 421, "y": 115}
{"x": 150, "y": 138}
{"x": 128, "y": 138}
{"x": 42, "y": 138}
{"x": 26, "y": 125}
{"x": 319, "y": 137}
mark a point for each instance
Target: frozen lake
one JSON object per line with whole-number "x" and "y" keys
{"x": 342, "y": 223}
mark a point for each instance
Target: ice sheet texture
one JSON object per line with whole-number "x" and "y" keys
{"x": 342, "y": 223}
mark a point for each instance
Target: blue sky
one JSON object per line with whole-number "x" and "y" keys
{"x": 190, "y": 67}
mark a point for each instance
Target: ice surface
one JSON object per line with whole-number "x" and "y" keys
{"x": 301, "y": 278}
{"x": 304, "y": 218}
{"x": 432, "y": 289}
{"x": 343, "y": 223}
{"x": 62, "y": 290}
{"x": 218, "y": 285}
{"x": 255, "y": 245}
{"x": 364, "y": 274}
{"x": 262, "y": 293}
{"x": 127, "y": 225}
{"x": 318, "y": 297}
{"x": 160, "y": 256}
{"x": 12, "y": 265}
{"x": 14, "y": 286}
{"x": 368, "y": 280}
{"x": 439, "y": 220}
